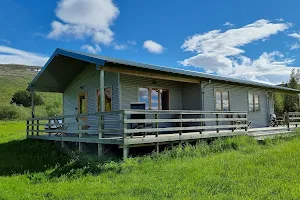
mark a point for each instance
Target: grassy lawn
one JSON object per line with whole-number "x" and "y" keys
{"x": 232, "y": 168}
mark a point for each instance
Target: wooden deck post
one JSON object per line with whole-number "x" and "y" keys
{"x": 80, "y": 148}
{"x": 125, "y": 152}
{"x": 157, "y": 148}
{"x": 102, "y": 109}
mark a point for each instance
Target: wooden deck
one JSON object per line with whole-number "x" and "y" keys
{"x": 166, "y": 127}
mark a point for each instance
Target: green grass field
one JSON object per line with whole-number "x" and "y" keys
{"x": 232, "y": 168}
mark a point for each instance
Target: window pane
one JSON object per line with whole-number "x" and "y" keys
{"x": 218, "y": 100}
{"x": 108, "y": 103}
{"x": 256, "y": 102}
{"x": 154, "y": 99}
{"x": 225, "y": 98}
{"x": 143, "y": 96}
{"x": 250, "y": 100}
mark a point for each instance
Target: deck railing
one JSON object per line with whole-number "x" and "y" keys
{"x": 293, "y": 119}
{"x": 129, "y": 123}
{"x": 158, "y": 122}
{"x": 91, "y": 123}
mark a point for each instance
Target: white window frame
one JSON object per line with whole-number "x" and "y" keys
{"x": 254, "y": 103}
{"x": 221, "y": 90}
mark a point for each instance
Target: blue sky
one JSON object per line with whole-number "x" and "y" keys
{"x": 254, "y": 40}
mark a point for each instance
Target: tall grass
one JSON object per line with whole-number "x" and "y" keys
{"x": 231, "y": 168}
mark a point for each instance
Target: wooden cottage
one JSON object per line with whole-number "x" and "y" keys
{"x": 110, "y": 101}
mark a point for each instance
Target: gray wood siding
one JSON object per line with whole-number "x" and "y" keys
{"x": 191, "y": 96}
{"x": 130, "y": 87}
{"x": 238, "y": 97}
{"x": 90, "y": 79}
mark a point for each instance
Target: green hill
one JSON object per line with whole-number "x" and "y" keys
{"x": 17, "y": 77}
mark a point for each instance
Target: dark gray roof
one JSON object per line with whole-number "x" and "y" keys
{"x": 100, "y": 60}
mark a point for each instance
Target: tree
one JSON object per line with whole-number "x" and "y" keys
{"x": 279, "y": 103}
{"x": 23, "y": 97}
{"x": 291, "y": 102}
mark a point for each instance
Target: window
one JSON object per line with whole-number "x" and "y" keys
{"x": 253, "y": 100}
{"x": 155, "y": 99}
{"x": 222, "y": 100}
{"x": 108, "y": 102}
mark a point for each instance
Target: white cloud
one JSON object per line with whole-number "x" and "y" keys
{"x": 221, "y": 53}
{"x": 295, "y": 35}
{"x": 295, "y": 46}
{"x": 120, "y": 46}
{"x": 85, "y": 18}
{"x": 126, "y": 45}
{"x": 131, "y": 42}
{"x": 153, "y": 47}
{"x": 228, "y": 24}
{"x": 10, "y": 55}
{"x": 91, "y": 49}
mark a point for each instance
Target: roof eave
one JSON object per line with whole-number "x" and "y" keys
{"x": 59, "y": 51}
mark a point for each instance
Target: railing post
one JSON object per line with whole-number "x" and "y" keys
{"x": 37, "y": 127}
{"x": 217, "y": 122}
{"x": 232, "y": 122}
{"x": 49, "y": 122}
{"x": 100, "y": 134}
{"x": 125, "y": 147}
{"x": 27, "y": 127}
{"x": 62, "y": 134}
{"x": 288, "y": 120}
{"x": 156, "y": 124}
{"x": 180, "y": 117}
{"x": 201, "y": 123}
{"x": 123, "y": 118}
{"x": 246, "y": 116}
{"x": 32, "y": 127}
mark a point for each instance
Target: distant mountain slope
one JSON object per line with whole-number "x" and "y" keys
{"x": 17, "y": 77}
{"x": 14, "y": 78}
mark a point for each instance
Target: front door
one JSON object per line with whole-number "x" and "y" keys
{"x": 82, "y": 104}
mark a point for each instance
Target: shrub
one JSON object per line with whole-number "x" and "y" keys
{"x": 11, "y": 112}
{"x": 8, "y": 112}
{"x": 23, "y": 97}
{"x": 53, "y": 109}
